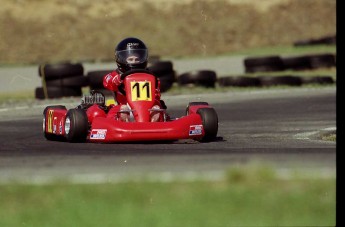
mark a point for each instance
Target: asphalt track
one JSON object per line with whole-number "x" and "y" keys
{"x": 275, "y": 127}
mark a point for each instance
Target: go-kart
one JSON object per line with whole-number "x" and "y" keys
{"x": 89, "y": 121}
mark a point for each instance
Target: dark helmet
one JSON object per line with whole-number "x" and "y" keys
{"x": 131, "y": 53}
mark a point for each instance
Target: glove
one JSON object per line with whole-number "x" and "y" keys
{"x": 117, "y": 80}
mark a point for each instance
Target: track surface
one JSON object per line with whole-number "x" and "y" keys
{"x": 278, "y": 127}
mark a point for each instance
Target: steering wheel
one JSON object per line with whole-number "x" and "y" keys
{"x": 130, "y": 72}
{"x": 124, "y": 75}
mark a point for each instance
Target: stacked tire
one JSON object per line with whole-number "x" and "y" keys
{"x": 165, "y": 72}
{"x": 95, "y": 79}
{"x": 263, "y": 64}
{"x": 309, "y": 62}
{"x": 239, "y": 81}
{"x": 277, "y": 63}
{"x": 61, "y": 80}
{"x": 273, "y": 80}
{"x": 203, "y": 78}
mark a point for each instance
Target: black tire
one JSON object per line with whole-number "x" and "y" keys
{"x": 165, "y": 84}
{"x": 205, "y": 78}
{"x": 280, "y": 80}
{"x": 167, "y": 80}
{"x": 318, "y": 80}
{"x": 263, "y": 64}
{"x": 297, "y": 63}
{"x": 58, "y": 92}
{"x": 50, "y": 136}
{"x": 326, "y": 40}
{"x": 322, "y": 61}
{"x": 210, "y": 123}
{"x": 195, "y": 104}
{"x": 309, "y": 61}
{"x": 76, "y": 81}
{"x": 79, "y": 125}
{"x": 239, "y": 81}
{"x": 161, "y": 66}
{"x": 59, "y": 71}
{"x": 96, "y": 78}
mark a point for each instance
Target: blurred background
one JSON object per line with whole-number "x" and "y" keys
{"x": 36, "y": 31}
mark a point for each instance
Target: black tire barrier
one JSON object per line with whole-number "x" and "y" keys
{"x": 60, "y": 80}
{"x": 280, "y": 80}
{"x": 58, "y": 92}
{"x": 297, "y": 63}
{"x": 95, "y": 78}
{"x": 318, "y": 80}
{"x": 165, "y": 72}
{"x": 166, "y": 81}
{"x": 263, "y": 64}
{"x": 60, "y": 71}
{"x": 76, "y": 81}
{"x": 205, "y": 78}
{"x": 239, "y": 81}
{"x": 308, "y": 62}
{"x": 325, "y": 40}
{"x": 161, "y": 66}
{"x": 276, "y": 63}
{"x": 322, "y": 61}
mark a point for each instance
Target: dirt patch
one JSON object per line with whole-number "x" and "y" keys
{"x": 40, "y": 31}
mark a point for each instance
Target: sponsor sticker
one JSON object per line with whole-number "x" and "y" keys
{"x": 60, "y": 127}
{"x": 54, "y": 125}
{"x": 98, "y": 134}
{"x": 195, "y": 130}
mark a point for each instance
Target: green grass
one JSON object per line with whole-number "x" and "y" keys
{"x": 329, "y": 137}
{"x": 248, "y": 197}
{"x": 11, "y": 97}
{"x": 65, "y": 30}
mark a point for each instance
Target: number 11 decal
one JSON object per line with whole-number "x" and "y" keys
{"x": 141, "y": 91}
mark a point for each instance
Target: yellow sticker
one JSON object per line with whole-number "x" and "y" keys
{"x": 50, "y": 121}
{"x": 141, "y": 91}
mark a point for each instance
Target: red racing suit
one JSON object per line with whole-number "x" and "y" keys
{"x": 112, "y": 81}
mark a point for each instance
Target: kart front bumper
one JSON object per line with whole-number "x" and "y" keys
{"x": 110, "y": 130}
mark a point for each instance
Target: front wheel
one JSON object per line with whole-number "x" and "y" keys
{"x": 76, "y": 125}
{"x": 195, "y": 104}
{"x": 210, "y": 123}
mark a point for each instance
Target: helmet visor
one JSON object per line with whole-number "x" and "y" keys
{"x": 135, "y": 56}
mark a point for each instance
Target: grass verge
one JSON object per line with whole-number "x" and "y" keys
{"x": 247, "y": 197}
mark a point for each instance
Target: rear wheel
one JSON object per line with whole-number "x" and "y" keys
{"x": 210, "y": 123}
{"x": 76, "y": 125}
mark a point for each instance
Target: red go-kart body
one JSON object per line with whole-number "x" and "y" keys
{"x": 91, "y": 123}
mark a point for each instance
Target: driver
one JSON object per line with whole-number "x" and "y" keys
{"x": 130, "y": 53}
